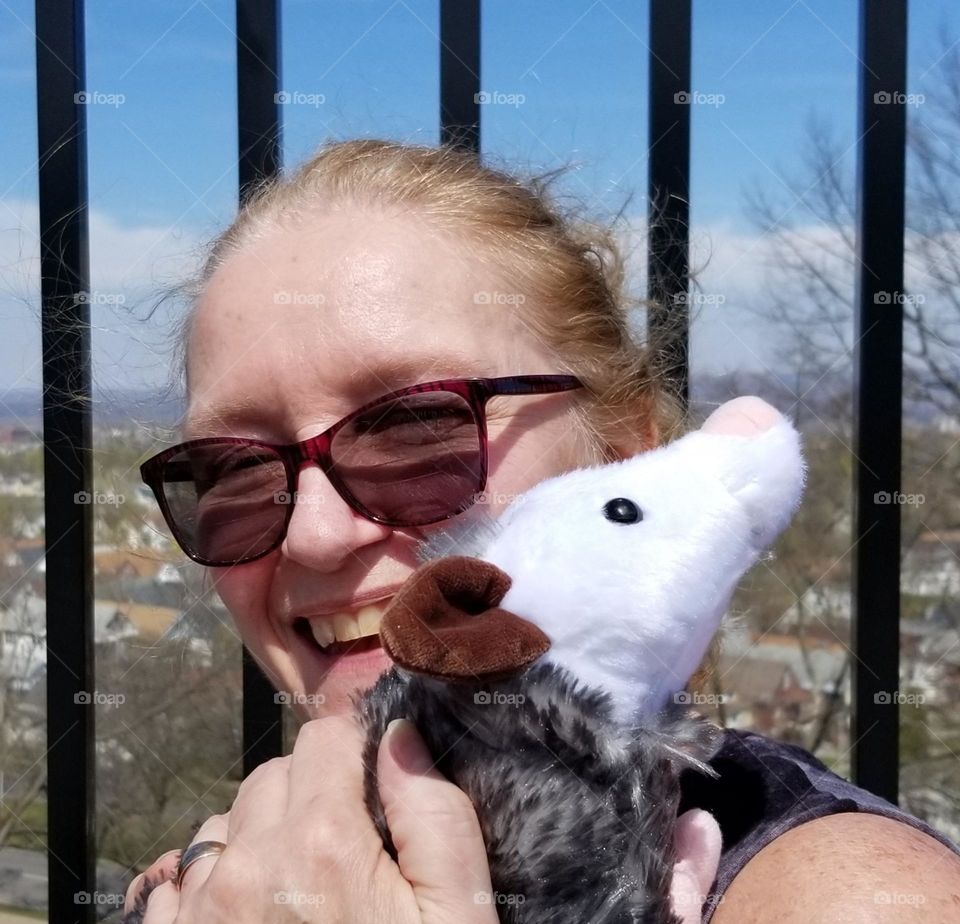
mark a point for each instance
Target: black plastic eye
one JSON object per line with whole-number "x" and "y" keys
{"x": 622, "y": 510}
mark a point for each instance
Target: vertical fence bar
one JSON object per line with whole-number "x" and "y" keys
{"x": 668, "y": 190}
{"x": 877, "y": 393}
{"x": 460, "y": 74}
{"x": 258, "y": 124}
{"x": 67, "y": 469}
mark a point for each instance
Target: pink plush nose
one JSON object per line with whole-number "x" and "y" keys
{"x": 744, "y": 416}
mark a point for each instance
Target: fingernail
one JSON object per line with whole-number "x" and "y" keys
{"x": 407, "y": 748}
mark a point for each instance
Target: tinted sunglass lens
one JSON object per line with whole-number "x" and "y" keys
{"x": 413, "y": 460}
{"x": 228, "y": 501}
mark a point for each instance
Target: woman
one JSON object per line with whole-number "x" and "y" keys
{"x": 375, "y": 267}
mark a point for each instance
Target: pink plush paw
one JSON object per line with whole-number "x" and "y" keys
{"x": 697, "y": 841}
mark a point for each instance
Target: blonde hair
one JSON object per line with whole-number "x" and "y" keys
{"x": 572, "y": 268}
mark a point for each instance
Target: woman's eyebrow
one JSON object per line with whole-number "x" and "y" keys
{"x": 395, "y": 372}
{"x": 222, "y": 417}
{"x": 366, "y": 383}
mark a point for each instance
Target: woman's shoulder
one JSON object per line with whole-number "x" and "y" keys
{"x": 767, "y": 788}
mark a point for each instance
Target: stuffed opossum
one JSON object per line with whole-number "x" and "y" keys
{"x": 540, "y": 655}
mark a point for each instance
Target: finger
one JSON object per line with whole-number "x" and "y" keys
{"x": 698, "y": 843}
{"x": 261, "y": 801}
{"x": 215, "y": 828}
{"x": 162, "y": 869}
{"x": 326, "y": 772}
{"x": 434, "y": 827}
{"x": 163, "y": 904}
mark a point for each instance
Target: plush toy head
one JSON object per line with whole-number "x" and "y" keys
{"x": 620, "y": 573}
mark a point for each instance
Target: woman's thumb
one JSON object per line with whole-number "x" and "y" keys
{"x": 434, "y": 827}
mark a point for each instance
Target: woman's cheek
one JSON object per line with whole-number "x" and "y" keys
{"x": 244, "y": 590}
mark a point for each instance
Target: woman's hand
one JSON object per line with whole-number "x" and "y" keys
{"x": 302, "y": 847}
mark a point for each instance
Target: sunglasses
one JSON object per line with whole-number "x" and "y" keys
{"x": 410, "y": 458}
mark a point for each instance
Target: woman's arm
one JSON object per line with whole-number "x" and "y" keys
{"x": 851, "y": 867}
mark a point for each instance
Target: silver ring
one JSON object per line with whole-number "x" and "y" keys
{"x": 197, "y": 852}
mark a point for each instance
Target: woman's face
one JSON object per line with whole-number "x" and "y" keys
{"x": 301, "y": 328}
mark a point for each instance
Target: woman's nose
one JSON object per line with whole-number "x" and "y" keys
{"x": 324, "y": 530}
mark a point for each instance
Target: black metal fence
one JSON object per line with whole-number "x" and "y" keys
{"x": 67, "y": 376}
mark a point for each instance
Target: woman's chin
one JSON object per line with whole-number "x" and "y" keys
{"x": 331, "y": 678}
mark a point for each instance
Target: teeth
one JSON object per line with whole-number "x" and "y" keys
{"x": 369, "y": 619}
{"x": 322, "y": 631}
{"x": 345, "y": 627}
{"x": 348, "y": 625}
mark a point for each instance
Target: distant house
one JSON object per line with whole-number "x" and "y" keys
{"x": 118, "y": 620}
{"x": 23, "y": 633}
{"x": 823, "y": 602}
{"x": 197, "y": 628}
{"x": 22, "y": 640}
{"x": 149, "y": 591}
{"x": 760, "y": 694}
{"x": 32, "y": 554}
{"x": 9, "y": 555}
{"x": 776, "y": 684}
{"x": 111, "y": 624}
{"x": 931, "y": 567}
{"x": 816, "y": 663}
{"x": 16, "y": 438}
{"x": 22, "y": 485}
{"x": 124, "y": 564}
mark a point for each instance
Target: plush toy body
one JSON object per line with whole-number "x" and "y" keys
{"x": 577, "y": 816}
{"x": 539, "y": 661}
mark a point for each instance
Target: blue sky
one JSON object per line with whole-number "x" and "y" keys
{"x": 162, "y": 160}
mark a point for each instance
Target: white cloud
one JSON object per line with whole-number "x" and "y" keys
{"x": 130, "y": 268}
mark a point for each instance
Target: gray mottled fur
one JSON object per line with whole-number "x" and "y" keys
{"x": 577, "y": 813}
{"x": 470, "y": 534}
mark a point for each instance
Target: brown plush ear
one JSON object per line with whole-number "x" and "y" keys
{"x": 444, "y": 622}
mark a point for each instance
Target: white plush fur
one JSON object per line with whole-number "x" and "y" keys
{"x": 631, "y": 608}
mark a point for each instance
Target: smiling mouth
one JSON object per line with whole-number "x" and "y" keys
{"x": 336, "y": 648}
{"x": 343, "y": 633}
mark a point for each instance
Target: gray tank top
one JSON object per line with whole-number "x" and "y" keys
{"x": 767, "y": 787}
